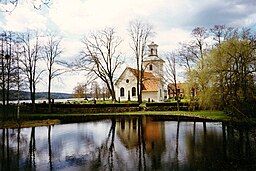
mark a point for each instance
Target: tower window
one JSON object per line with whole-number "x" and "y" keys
{"x": 150, "y": 67}
{"x": 127, "y": 81}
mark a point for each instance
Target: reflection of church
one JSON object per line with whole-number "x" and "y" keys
{"x": 132, "y": 132}
{"x": 127, "y": 130}
{"x": 154, "y": 134}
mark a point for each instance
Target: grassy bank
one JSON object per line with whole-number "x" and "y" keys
{"x": 26, "y": 124}
{"x": 30, "y": 120}
{"x": 214, "y": 115}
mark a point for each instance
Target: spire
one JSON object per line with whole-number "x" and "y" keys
{"x": 152, "y": 49}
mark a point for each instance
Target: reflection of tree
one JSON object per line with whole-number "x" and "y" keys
{"x": 202, "y": 151}
{"x": 146, "y": 138}
{"x": 50, "y": 147}
{"x": 154, "y": 135}
{"x": 9, "y": 156}
{"x": 177, "y": 146}
{"x": 141, "y": 145}
{"x": 146, "y": 147}
{"x": 224, "y": 140}
{"x": 111, "y": 146}
{"x": 105, "y": 154}
{"x": 232, "y": 150}
{"x": 32, "y": 149}
{"x": 200, "y": 146}
{"x": 4, "y": 159}
{"x": 18, "y": 148}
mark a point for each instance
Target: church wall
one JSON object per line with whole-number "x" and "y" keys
{"x": 150, "y": 95}
{"x": 161, "y": 92}
{"x": 157, "y": 67}
{"x": 127, "y": 82}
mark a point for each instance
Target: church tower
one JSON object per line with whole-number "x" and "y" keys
{"x": 152, "y": 63}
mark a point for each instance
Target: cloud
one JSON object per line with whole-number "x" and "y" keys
{"x": 172, "y": 20}
{"x": 222, "y": 13}
{"x": 170, "y": 39}
{"x": 23, "y": 18}
{"x": 80, "y": 16}
{"x": 188, "y": 14}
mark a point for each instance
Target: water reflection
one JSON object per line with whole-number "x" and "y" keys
{"x": 145, "y": 137}
{"x": 134, "y": 143}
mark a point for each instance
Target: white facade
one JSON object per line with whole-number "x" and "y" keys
{"x": 128, "y": 82}
{"x": 153, "y": 86}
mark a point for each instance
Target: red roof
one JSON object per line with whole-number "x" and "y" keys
{"x": 150, "y": 82}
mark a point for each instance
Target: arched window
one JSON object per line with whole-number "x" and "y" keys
{"x": 121, "y": 91}
{"x": 133, "y": 91}
{"x": 150, "y": 67}
{"x": 151, "y": 51}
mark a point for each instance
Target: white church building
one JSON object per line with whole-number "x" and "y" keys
{"x": 153, "y": 87}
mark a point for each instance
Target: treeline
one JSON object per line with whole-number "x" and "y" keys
{"x": 220, "y": 67}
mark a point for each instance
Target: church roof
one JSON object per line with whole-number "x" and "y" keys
{"x": 150, "y": 82}
{"x": 135, "y": 73}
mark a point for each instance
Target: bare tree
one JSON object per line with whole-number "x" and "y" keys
{"x": 89, "y": 78}
{"x": 30, "y": 58}
{"x": 4, "y": 58}
{"x": 52, "y": 51}
{"x": 193, "y": 56}
{"x": 79, "y": 90}
{"x": 139, "y": 32}
{"x": 222, "y": 33}
{"x": 172, "y": 74}
{"x": 198, "y": 45}
{"x": 8, "y": 67}
{"x": 100, "y": 56}
{"x": 105, "y": 92}
{"x": 95, "y": 90}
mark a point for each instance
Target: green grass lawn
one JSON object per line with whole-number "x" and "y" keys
{"x": 214, "y": 115}
{"x": 51, "y": 119}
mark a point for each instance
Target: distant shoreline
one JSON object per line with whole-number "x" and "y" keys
{"x": 46, "y": 100}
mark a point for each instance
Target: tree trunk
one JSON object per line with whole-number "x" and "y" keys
{"x": 33, "y": 98}
{"x": 176, "y": 94}
{"x": 49, "y": 96}
{"x": 141, "y": 86}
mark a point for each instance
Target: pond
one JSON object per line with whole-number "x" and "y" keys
{"x": 133, "y": 143}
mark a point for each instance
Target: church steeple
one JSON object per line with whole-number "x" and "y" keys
{"x": 152, "y": 62}
{"x": 152, "y": 49}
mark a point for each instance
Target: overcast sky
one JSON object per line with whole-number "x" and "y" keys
{"x": 172, "y": 22}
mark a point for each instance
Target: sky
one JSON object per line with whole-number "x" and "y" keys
{"x": 172, "y": 21}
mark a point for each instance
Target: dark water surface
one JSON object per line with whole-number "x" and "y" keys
{"x": 135, "y": 143}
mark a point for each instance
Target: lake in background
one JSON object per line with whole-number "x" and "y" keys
{"x": 134, "y": 143}
{"x": 46, "y": 100}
